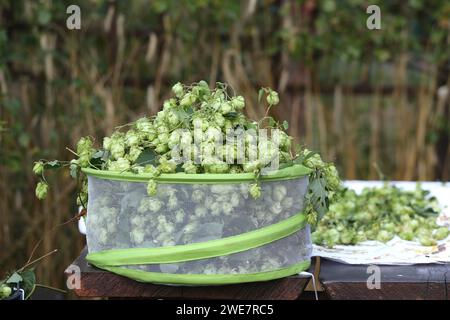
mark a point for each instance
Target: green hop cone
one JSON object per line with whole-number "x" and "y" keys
{"x": 151, "y": 187}
{"x": 441, "y": 233}
{"x": 107, "y": 143}
{"x": 272, "y": 98}
{"x": 226, "y": 107}
{"x": 346, "y": 236}
{"x": 5, "y": 291}
{"x": 359, "y": 237}
{"x": 316, "y": 237}
{"x": 41, "y": 190}
{"x": 84, "y": 160}
{"x": 161, "y": 148}
{"x": 218, "y": 168}
{"x": 84, "y": 145}
{"x": 117, "y": 147}
{"x": 132, "y": 138}
{"x": 144, "y": 125}
{"x": 177, "y": 89}
{"x": 167, "y": 166}
{"x": 251, "y": 166}
{"x": 169, "y": 104}
{"x": 285, "y": 141}
{"x": 255, "y": 190}
{"x": 203, "y": 85}
{"x": 238, "y": 102}
{"x": 331, "y": 237}
{"x": 427, "y": 241}
{"x": 189, "y": 167}
{"x": 173, "y": 119}
{"x": 152, "y": 171}
{"x": 188, "y": 100}
{"x": 134, "y": 153}
{"x": 120, "y": 165}
{"x": 413, "y": 224}
{"x": 279, "y": 192}
{"x": 406, "y": 235}
{"x": 332, "y": 177}
{"x": 38, "y": 168}
{"x": 311, "y": 218}
{"x": 384, "y": 236}
{"x": 314, "y": 161}
{"x": 219, "y": 120}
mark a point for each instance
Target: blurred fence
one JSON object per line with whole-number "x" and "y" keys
{"x": 374, "y": 101}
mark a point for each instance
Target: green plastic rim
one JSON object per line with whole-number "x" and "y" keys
{"x": 292, "y": 172}
{"x": 208, "y": 279}
{"x": 199, "y": 250}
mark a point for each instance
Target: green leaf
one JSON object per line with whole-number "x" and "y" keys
{"x": 319, "y": 195}
{"x": 189, "y": 111}
{"x": 98, "y": 154}
{"x": 298, "y": 148}
{"x": 310, "y": 154}
{"x": 29, "y": 280}
{"x": 231, "y": 115}
{"x": 98, "y": 158}
{"x": 14, "y": 278}
{"x": 272, "y": 122}
{"x": 251, "y": 125}
{"x": 301, "y": 159}
{"x": 182, "y": 114}
{"x": 73, "y": 171}
{"x": 147, "y": 156}
{"x": 285, "y": 125}
{"x": 55, "y": 164}
{"x": 425, "y": 211}
{"x": 106, "y": 156}
{"x": 260, "y": 94}
{"x": 286, "y": 164}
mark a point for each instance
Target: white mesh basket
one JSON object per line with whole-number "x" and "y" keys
{"x": 122, "y": 216}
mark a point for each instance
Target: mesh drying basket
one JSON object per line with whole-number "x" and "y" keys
{"x": 199, "y": 229}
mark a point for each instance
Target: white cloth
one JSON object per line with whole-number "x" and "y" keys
{"x": 396, "y": 251}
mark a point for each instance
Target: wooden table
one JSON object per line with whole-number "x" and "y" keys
{"x": 415, "y": 282}
{"x": 337, "y": 281}
{"x": 100, "y": 283}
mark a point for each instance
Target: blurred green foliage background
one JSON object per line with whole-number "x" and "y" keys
{"x": 374, "y": 101}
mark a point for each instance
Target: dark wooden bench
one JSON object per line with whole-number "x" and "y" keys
{"x": 100, "y": 283}
{"x": 337, "y": 281}
{"x": 414, "y": 282}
